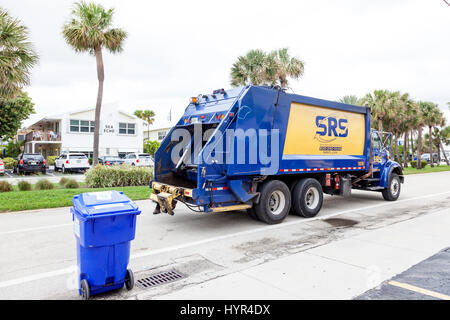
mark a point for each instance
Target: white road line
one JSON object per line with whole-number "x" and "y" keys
{"x": 148, "y": 253}
{"x": 36, "y": 229}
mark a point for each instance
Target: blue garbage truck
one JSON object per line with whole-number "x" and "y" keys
{"x": 270, "y": 152}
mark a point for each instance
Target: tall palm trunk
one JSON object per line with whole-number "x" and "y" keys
{"x": 405, "y": 149}
{"x": 430, "y": 141}
{"x": 412, "y": 144}
{"x": 380, "y": 127}
{"x": 443, "y": 151}
{"x": 419, "y": 148}
{"x": 98, "y": 106}
{"x": 397, "y": 156}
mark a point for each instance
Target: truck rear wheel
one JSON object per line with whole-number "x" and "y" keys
{"x": 392, "y": 192}
{"x": 274, "y": 203}
{"x": 307, "y": 198}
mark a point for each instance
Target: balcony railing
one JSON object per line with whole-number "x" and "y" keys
{"x": 42, "y": 136}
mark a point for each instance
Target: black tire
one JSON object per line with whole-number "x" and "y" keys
{"x": 252, "y": 214}
{"x": 392, "y": 192}
{"x": 85, "y": 290}
{"x": 274, "y": 203}
{"x": 129, "y": 280}
{"x": 307, "y": 198}
{"x": 63, "y": 169}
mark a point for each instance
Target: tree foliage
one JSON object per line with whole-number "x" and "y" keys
{"x": 148, "y": 116}
{"x": 260, "y": 68}
{"x": 17, "y": 56}
{"x": 151, "y": 147}
{"x": 12, "y": 113}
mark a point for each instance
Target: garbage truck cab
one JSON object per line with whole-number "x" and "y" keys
{"x": 269, "y": 152}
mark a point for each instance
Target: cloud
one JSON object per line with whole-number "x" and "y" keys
{"x": 178, "y": 49}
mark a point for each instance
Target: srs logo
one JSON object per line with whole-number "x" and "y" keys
{"x": 330, "y": 128}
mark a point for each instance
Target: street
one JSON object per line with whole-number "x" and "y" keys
{"x": 352, "y": 246}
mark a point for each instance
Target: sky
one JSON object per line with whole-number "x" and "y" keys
{"x": 179, "y": 49}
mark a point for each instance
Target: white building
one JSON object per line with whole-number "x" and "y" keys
{"x": 158, "y": 131}
{"x": 120, "y": 133}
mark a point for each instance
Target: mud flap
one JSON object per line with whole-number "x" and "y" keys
{"x": 345, "y": 189}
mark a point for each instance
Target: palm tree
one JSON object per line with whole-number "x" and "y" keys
{"x": 250, "y": 69}
{"x": 444, "y": 139}
{"x": 282, "y": 66}
{"x": 90, "y": 30}
{"x": 351, "y": 99}
{"x": 431, "y": 118}
{"x": 17, "y": 56}
{"x": 425, "y": 109}
{"x": 379, "y": 104}
{"x": 259, "y": 68}
{"x": 148, "y": 116}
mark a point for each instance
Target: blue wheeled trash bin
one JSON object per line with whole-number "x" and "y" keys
{"x": 104, "y": 225}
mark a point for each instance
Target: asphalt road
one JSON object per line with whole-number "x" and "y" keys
{"x": 38, "y": 260}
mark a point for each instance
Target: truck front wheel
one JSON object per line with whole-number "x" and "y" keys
{"x": 307, "y": 198}
{"x": 392, "y": 192}
{"x": 274, "y": 203}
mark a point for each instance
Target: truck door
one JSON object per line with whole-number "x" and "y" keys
{"x": 378, "y": 152}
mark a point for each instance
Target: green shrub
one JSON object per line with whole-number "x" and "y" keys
{"x": 63, "y": 181}
{"x": 51, "y": 160}
{"x": 24, "y": 186}
{"x": 72, "y": 184}
{"x": 423, "y": 162}
{"x": 118, "y": 176}
{"x": 9, "y": 163}
{"x": 5, "y": 186}
{"x": 44, "y": 184}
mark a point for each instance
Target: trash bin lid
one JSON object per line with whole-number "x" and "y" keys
{"x": 92, "y": 204}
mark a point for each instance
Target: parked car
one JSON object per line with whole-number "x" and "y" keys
{"x": 72, "y": 162}
{"x": 111, "y": 161}
{"x": 426, "y": 156}
{"x": 139, "y": 160}
{"x": 2, "y": 167}
{"x": 30, "y": 162}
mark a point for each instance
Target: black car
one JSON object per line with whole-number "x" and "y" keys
{"x": 30, "y": 162}
{"x": 110, "y": 161}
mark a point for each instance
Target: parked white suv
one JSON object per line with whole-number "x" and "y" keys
{"x": 72, "y": 162}
{"x": 139, "y": 160}
{"x": 2, "y": 167}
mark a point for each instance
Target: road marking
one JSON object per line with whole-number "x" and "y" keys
{"x": 147, "y": 253}
{"x": 35, "y": 277}
{"x": 36, "y": 229}
{"x": 419, "y": 290}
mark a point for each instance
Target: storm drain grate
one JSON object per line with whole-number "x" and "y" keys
{"x": 159, "y": 279}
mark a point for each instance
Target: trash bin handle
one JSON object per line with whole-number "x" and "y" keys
{"x": 105, "y": 215}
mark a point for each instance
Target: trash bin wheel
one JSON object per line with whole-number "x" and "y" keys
{"x": 129, "y": 280}
{"x": 85, "y": 291}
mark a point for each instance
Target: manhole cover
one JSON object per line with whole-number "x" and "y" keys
{"x": 159, "y": 279}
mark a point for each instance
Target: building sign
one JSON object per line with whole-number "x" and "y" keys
{"x": 109, "y": 128}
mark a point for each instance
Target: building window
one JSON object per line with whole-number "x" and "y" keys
{"x": 82, "y": 126}
{"x": 162, "y": 135}
{"x": 127, "y": 128}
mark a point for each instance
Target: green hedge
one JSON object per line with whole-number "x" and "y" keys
{"x": 423, "y": 162}
{"x": 51, "y": 160}
{"x": 9, "y": 163}
{"x": 118, "y": 176}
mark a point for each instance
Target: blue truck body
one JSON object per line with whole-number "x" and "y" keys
{"x": 228, "y": 144}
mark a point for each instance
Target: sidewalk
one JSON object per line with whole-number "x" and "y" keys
{"x": 342, "y": 269}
